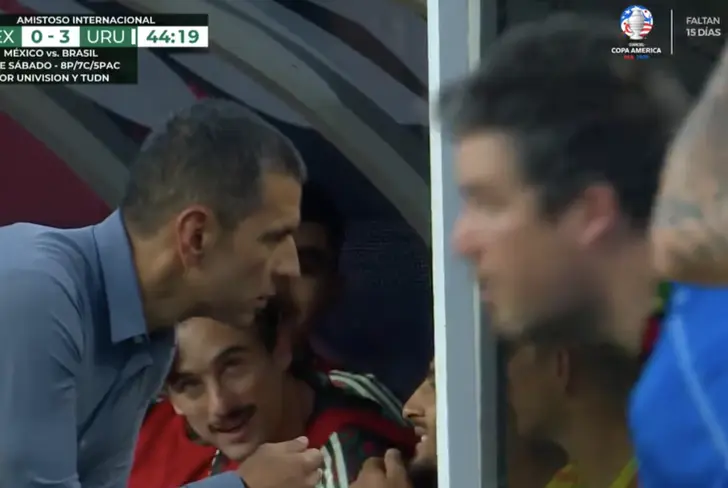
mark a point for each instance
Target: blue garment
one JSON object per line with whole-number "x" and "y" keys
{"x": 77, "y": 367}
{"x": 679, "y": 408}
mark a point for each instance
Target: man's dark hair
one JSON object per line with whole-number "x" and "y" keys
{"x": 578, "y": 114}
{"x": 317, "y": 207}
{"x": 213, "y": 153}
{"x": 268, "y": 323}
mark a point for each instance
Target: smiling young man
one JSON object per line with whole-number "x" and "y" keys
{"x": 88, "y": 315}
{"x": 237, "y": 388}
{"x": 421, "y": 411}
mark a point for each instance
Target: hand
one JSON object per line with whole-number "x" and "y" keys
{"x": 285, "y": 465}
{"x": 389, "y": 472}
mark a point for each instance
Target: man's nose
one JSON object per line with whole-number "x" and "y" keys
{"x": 412, "y": 408}
{"x": 287, "y": 264}
{"x": 462, "y": 236}
{"x": 217, "y": 402}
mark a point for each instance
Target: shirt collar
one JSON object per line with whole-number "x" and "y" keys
{"x": 123, "y": 299}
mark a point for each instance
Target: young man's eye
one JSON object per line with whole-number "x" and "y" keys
{"x": 182, "y": 386}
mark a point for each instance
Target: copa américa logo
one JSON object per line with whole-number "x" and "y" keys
{"x": 636, "y": 23}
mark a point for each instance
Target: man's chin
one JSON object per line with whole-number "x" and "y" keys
{"x": 239, "y": 452}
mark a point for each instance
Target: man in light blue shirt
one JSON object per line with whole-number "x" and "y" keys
{"x": 87, "y": 315}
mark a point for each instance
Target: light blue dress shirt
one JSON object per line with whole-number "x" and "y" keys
{"x": 77, "y": 367}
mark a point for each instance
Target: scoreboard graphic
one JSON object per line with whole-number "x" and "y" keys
{"x": 89, "y": 49}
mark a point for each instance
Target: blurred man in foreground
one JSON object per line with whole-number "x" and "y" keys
{"x": 558, "y": 158}
{"x": 577, "y": 397}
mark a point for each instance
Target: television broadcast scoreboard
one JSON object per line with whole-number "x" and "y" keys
{"x": 89, "y": 49}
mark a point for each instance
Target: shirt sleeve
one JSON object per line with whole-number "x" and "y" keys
{"x": 224, "y": 480}
{"x": 40, "y": 334}
{"x": 345, "y": 453}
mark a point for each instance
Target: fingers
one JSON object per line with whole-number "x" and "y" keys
{"x": 298, "y": 444}
{"x": 313, "y": 459}
{"x": 372, "y": 465}
{"x": 314, "y": 478}
{"x": 394, "y": 465}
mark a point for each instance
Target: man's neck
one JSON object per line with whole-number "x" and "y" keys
{"x": 155, "y": 280}
{"x": 532, "y": 465}
{"x": 630, "y": 286}
{"x": 599, "y": 446}
{"x": 298, "y": 399}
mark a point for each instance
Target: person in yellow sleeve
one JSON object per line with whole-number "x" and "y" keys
{"x": 576, "y": 396}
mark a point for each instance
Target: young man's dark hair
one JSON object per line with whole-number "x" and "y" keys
{"x": 213, "y": 153}
{"x": 560, "y": 145}
{"x": 317, "y": 207}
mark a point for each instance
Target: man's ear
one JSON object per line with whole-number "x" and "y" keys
{"x": 174, "y": 406}
{"x": 600, "y": 212}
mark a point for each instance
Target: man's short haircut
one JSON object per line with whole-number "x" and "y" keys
{"x": 213, "y": 153}
{"x": 578, "y": 114}
{"x": 318, "y": 207}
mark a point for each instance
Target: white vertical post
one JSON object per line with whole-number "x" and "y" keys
{"x": 453, "y": 47}
{"x": 493, "y": 417}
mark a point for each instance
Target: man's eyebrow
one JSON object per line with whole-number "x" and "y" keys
{"x": 282, "y": 231}
{"x": 468, "y": 189}
{"x": 231, "y": 351}
{"x": 475, "y": 189}
{"x": 176, "y": 376}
